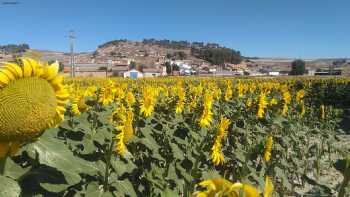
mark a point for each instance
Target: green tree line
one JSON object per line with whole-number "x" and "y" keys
{"x": 14, "y": 48}
{"x": 217, "y": 56}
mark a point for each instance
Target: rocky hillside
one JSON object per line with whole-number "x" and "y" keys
{"x": 143, "y": 53}
{"x": 148, "y": 53}
{"x": 152, "y": 52}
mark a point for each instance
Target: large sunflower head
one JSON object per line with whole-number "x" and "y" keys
{"x": 32, "y": 99}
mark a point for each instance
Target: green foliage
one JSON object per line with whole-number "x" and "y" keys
{"x": 132, "y": 65}
{"x": 170, "y": 153}
{"x": 298, "y": 67}
{"x": 168, "y": 43}
{"x": 343, "y": 166}
{"x": 170, "y": 68}
{"x": 111, "y": 43}
{"x": 9, "y": 187}
{"x": 218, "y": 56}
{"x": 13, "y": 48}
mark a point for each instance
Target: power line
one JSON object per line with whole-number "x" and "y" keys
{"x": 72, "y": 60}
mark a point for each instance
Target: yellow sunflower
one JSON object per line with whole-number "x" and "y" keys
{"x": 268, "y": 148}
{"x": 225, "y": 188}
{"x": 216, "y": 155}
{"x": 32, "y": 99}
{"x": 148, "y": 101}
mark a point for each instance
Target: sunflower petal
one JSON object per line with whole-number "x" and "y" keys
{"x": 60, "y": 110}
{"x": 209, "y": 184}
{"x": 268, "y": 187}
{"x": 250, "y": 191}
{"x": 14, "y": 69}
{"x": 57, "y": 82}
{"x": 27, "y": 68}
{"x": 37, "y": 67}
{"x": 61, "y": 102}
{"x": 62, "y": 94}
{"x": 50, "y": 72}
{"x": 9, "y": 74}
{"x": 4, "y": 80}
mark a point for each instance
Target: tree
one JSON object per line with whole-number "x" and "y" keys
{"x": 218, "y": 56}
{"x": 169, "y": 56}
{"x": 298, "y": 67}
{"x": 175, "y": 67}
{"x": 168, "y": 68}
{"x": 13, "y": 48}
{"x": 132, "y": 65}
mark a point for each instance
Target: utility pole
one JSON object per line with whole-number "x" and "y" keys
{"x": 109, "y": 66}
{"x": 72, "y": 61}
{"x": 331, "y": 68}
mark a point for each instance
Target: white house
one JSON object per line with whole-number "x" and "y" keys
{"x": 152, "y": 72}
{"x": 133, "y": 73}
{"x": 164, "y": 73}
{"x": 274, "y": 73}
{"x": 212, "y": 70}
{"x": 181, "y": 64}
{"x": 311, "y": 72}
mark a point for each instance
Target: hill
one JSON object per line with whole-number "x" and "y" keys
{"x": 153, "y": 53}
{"x": 149, "y": 53}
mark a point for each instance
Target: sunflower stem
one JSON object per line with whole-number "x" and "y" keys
{"x": 343, "y": 186}
{"x": 108, "y": 163}
{"x": 346, "y": 179}
{"x": 2, "y": 165}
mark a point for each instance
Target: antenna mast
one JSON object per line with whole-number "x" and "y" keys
{"x": 72, "y": 61}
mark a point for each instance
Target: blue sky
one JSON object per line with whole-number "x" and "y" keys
{"x": 265, "y": 28}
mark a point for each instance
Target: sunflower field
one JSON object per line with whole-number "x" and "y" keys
{"x": 174, "y": 136}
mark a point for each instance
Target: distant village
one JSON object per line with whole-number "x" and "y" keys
{"x": 152, "y": 58}
{"x": 128, "y": 69}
